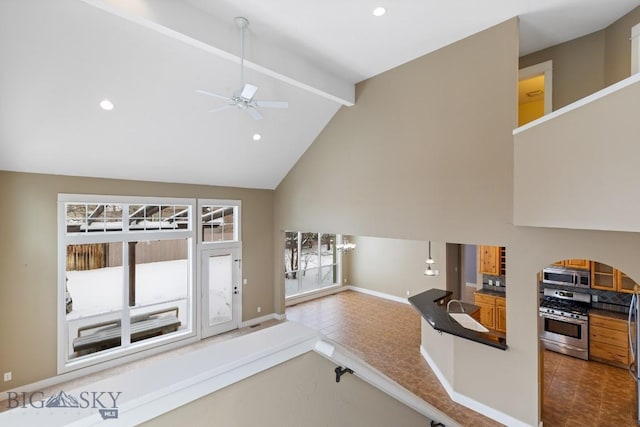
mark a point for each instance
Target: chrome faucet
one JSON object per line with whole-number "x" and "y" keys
{"x": 455, "y": 300}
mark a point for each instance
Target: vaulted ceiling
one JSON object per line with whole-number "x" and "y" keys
{"x": 61, "y": 58}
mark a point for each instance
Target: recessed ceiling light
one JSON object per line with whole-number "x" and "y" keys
{"x": 107, "y": 105}
{"x": 379, "y": 11}
{"x": 257, "y": 137}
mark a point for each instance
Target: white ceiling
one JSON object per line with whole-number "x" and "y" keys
{"x": 60, "y": 58}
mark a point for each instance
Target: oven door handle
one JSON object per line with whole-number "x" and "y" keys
{"x": 564, "y": 319}
{"x": 570, "y": 347}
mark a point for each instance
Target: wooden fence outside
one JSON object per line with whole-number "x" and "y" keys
{"x": 86, "y": 257}
{"x": 101, "y": 255}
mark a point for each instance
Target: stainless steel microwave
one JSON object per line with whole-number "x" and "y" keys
{"x": 566, "y": 277}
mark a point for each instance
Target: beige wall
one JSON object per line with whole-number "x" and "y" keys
{"x": 579, "y": 170}
{"x": 28, "y": 259}
{"x": 433, "y": 166}
{"x": 578, "y": 67}
{"x": 395, "y": 266}
{"x": 405, "y": 159}
{"x": 587, "y": 64}
{"x": 300, "y": 392}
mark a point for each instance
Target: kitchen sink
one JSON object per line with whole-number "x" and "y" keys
{"x": 468, "y": 322}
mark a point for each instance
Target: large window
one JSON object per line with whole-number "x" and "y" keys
{"x": 125, "y": 275}
{"x": 311, "y": 262}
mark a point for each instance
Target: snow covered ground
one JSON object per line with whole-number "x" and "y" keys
{"x": 100, "y": 290}
{"x": 97, "y": 294}
{"x": 308, "y": 281}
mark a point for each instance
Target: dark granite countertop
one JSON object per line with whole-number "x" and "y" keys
{"x": 608, "y": 313}
{"x": 493, "y": 293}
{"x": 430, "y": 304}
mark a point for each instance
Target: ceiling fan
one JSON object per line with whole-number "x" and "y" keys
{"x": 244, "y": 98}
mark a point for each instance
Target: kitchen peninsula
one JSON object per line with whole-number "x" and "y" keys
{"x": 431, "y": 305}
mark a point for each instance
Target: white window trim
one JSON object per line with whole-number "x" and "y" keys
{"x": 635, "y": 49}
{"x": 237, "y": 229}
{"x": 64, "y": 364}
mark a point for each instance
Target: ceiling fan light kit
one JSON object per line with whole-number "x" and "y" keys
{"x": 244, "y": 100}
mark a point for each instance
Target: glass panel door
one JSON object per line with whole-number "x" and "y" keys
{"x": 221, "y": 299}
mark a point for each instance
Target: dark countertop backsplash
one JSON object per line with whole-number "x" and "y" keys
{"x": 610, "y": 301}
{"x": 486, "y": 286}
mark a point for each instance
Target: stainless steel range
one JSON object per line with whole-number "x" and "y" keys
{"x": 564, "y": 322}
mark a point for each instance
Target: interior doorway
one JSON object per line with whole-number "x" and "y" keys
{"x": 462, "y": 268}
{"x": 534, "y": 92}
{"x": 454, "y": 269}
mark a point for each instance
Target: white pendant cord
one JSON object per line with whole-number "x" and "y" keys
{"x": 242, "y": 25}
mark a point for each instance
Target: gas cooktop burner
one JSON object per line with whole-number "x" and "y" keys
{"x": 564, "y": 303}
{"x": 574, "y": 307}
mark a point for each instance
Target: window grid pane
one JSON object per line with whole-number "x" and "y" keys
{"x": 218, "y": 223}
{"x": 107, "y": 217}
{"x": 84, "y": 217}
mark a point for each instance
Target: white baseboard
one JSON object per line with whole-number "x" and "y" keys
{"x": 313, "y": 295}
{"x": 258, "y": 320}
{"x": 331, "y": 291}
{"x": 378, "y": 294}
{"x": 470, "y": 403}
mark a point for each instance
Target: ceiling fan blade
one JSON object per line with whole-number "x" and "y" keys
{"x": 272, "y": 104}
{"x": 248, "y": 91}
{"x": 254, "y": 113}
{"x": 224, "y": 107}
{"x": 215, "y": 95}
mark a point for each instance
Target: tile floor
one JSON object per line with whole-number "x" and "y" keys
{"x": 577, "y": 392}
{"x": 386, "y": 335}
{"x": 582, "y": 393}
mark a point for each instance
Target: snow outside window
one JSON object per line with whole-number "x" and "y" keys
{"x": 126, "y": 277}
{"x": 311, "y": 262}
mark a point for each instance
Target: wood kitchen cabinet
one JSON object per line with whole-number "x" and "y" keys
{"x": 501, "y": 314}
{"x": 608, "y": 340}
{"x": 577, "y": 263}
{"x": 607, "y": 278}
{"x": 493, "y": 311}
{"x": 625, "y": 283}
{"x": 492, "y": 260}
{"x": 583, "y": 264}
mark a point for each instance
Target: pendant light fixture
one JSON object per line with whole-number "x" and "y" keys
{"x": 430, "y": 271}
